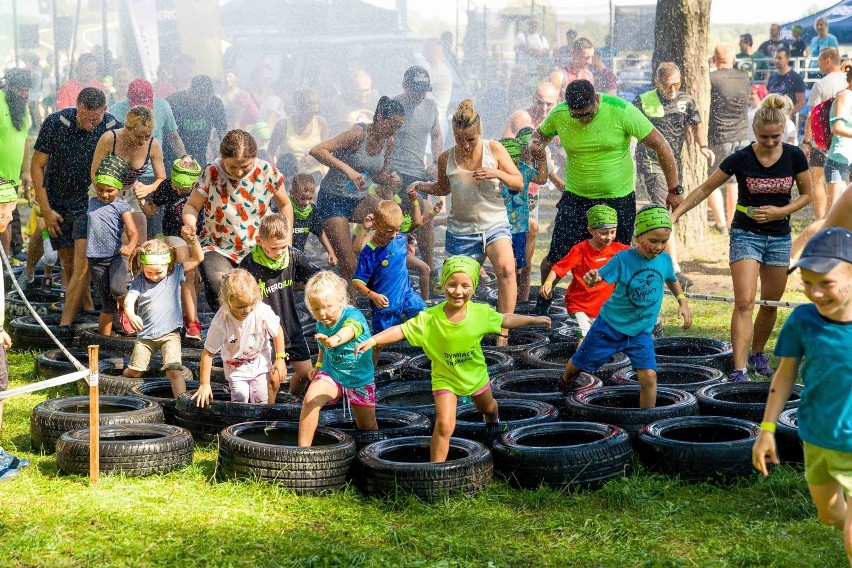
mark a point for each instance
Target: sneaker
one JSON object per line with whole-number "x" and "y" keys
{"x": 124, "y": 321}
{"x": 193, "y": 330}
{"x": 759, "y": 363}
{"x": 493, "y": 431}
{"x": 25, "y": 279}
{"x": 738, "y": 376}
{"x": 684, "y": 280}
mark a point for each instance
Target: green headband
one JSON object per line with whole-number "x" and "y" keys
{"x": 112, "y": 171}
{"x": 513, "y": 147}
{"x": 460, "y": 263}
{"x": 158, "y": 258}
{"x": 523, "y": 136}
{"x": 652, "y": 218}
{"x": 184, "y": 173}
{"x": 601, "y": 217}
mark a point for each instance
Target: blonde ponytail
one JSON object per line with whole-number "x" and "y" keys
{"x": 465, "y": 115}
{"x": 774, "y": 110}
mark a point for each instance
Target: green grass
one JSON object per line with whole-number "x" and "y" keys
{"x": 187, "y": 518}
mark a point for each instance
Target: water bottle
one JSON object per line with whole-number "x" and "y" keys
{"x": 350, "y": 187}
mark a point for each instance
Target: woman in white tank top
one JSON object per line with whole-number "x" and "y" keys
{"x": 478, "y": 224}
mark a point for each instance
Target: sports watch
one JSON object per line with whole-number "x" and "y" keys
{"x": 676, "y": 190}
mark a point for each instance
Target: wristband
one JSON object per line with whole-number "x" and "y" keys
{"x": 768, "y": 426}
{"x": 318, "y": 365}
{"x": 372, "y": 342}
{"x": 282, "y": 355}
{"x": 416, "y": 202}
{"x": 549, "y": 282}
{"x": 681, "y": 296}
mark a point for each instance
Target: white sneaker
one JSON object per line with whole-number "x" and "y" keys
{"x": 25, "y": 279}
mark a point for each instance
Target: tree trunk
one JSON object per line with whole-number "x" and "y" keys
{"x": 681, "y": 36}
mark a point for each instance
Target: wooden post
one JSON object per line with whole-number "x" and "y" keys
{"x": 94, "y": 420}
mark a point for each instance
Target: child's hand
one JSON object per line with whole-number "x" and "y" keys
{"x": 365, "y": 346}
{"x": 546, "y": 291}
{"x": 280, "y": 367}
{"x": 764, "y": 451}
{"x": 327, "y": 341}
{"x": 188, "y": 234}
{"x": 135, "y": 322}
{"x": 203, "y": 396}
{"x": 393, "y": 181}
{"x": 439, "y": 206}
{"x": 125, "y": 251}
{"x": 332, "y": 260}
{"x": 5, "y": 339}
{"x": 412, "y": 191}
{"x": 544, "y": 320}
{"x": 368, "y": 222}
{"x": 485, "y": 173}
{"x": 592, "y": 278}
{"x": 380, "y": 300}
{"x": 684, "y": 312}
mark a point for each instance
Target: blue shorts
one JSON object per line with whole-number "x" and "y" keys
{"x": 332, "y": 205}
{"x": 771, "y": 250}
{"x": 384, "y": 319}
{"x": 603, "y": 341}
{"x": 474, "y": 244}
{"x": 519, "y": 247}
{"x": 74, "y": 226}
{"x": 835, "y": 172}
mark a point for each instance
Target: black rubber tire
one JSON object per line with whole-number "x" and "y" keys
{"x": 538, "y": 384}
{"x": 206, "y": 423}
{"x": 113, "y": 383}
{"x": 402, "y": 465}
{"x": 413, "y": 396}
{"x": 520, "y": 340}
{"x": 393, "y": 423}
{"x": 740, "y": 400}
{"x": 160, "y": 391}
{"x": 54, "y": 363}
{"x": 790, "y": 448}
{"x": 122, "y": 344}
{"x": 27, "y": 334}
{"x": 403, "y": 347}
{"x": 563, "y": 454}
{"x": 268, "y": 451}
{"x": 129, "y": 449}
{"x": 620, "y": 406}
{"x": 52, "y": 417}
{"x": 698, "y": 448}
{"x": 39, "y": 299}
{"x": 420, "y": 367}
{"x": 704, "y": 351}
{"x": 514, "y": 413}
{"x": 390, "y": 367}
{"x": 558, "y": 295}
{"x": 556, "y": 356}
{"x": 679, "y": 376}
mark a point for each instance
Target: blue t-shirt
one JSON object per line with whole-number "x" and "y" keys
{"x": 105, "y": 227}
{"x": 159, "y": 304}
{"x": 518, "y": 202}
{"x": 825, "y": 409}
{"x": 639, "y": 286}
{"x": 340, "y": 362}
{"x": 820, "y": 43}
{"x": 383, "y": 270}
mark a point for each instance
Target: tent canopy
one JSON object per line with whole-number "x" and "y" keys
{"x": 839, "y": 18}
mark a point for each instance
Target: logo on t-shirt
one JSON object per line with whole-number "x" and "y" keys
{"x": 769, "y": 185}
{"x": 645, "y": 287}
{"x": 453, "y": 359}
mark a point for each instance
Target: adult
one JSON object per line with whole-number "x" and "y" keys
{"x": 839, "y": 156}
{"x": 61, "y": 170}
{"x": 728, "y": 129}
{"x": 198, "y": 114}
{"x": 756, "y": 95}
{"x": 361, "y": 152}
{"x": 840, "y": 214}
{"x": 745, "y": 58}
{"x": 234, "y": 192}
{"x": 15, "y": 122}
{"x": 543, "y": 101}
{"x": 240, "y": 108}
{"x": 674, "y": 114}
{"x": 531, "y": 47}
{"x": 769, "y": 47}
{"x": 760, "y": 233}
{"x": 595, "y": 131}
{"x": 823, "y": 39}
{"x": 86, "y": 75}
{"x": 422, "y": 125}
{"x": 478, "y": 224}
{"x": 441, "y": 79}
{"x": 300, "y": 131}
{"x": 270, "y": 107}
{"x": 605, "y": 80}
{"x": 577, "y": 67}
{"x": 785, "y": 81}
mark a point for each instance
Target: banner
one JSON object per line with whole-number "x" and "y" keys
{"x": 143, "y": 20}
{"x": 200, "y": 37}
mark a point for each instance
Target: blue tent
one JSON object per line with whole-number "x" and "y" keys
{"x": 839, "y": 19}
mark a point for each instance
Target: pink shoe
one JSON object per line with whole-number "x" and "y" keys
{"x": 125, "y": 324}
{"x": 193, "y": 330}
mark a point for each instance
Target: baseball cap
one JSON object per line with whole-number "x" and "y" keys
{"x": 825, "y": 250}
{"x": 417, "y": 79}
{"x": 140, "y": 92}
{"x": 602, "y": 217}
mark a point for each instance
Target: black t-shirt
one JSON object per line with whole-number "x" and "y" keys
{"x": 172, "y": 203}
{"x": 729, "y": 90}
{"x": 790, "y": 84}
{"x": 303, "y": 227}
{"x": 768, "y": 48}
{"x": 677, "y": 114}
{"x": 797, "y": 48}
{"x": 759, "y": 185}
{"x": 70, "y": 149}
{"x": 276, "y": 288}
{"x": 195, "y": 124}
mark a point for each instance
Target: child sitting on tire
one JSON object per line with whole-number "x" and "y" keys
{"x": 157, "y": 278}
{"x": 451, "y": 336}
{"x": 628, "y": 317}
{"x": 339, "y": 372}
{"x": 820, "y": 333}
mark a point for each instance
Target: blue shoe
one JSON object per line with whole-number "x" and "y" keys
{"x": 759, "y": 363}
{"x": 738, "y": 376}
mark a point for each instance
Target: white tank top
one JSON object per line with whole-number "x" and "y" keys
{"x": 477, "y": 205}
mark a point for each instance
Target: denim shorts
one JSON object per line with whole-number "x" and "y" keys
{"x": 332, "y": 205}
{"x": 603, "y": 341}
{"x": 474, "y": 245}
{"x": 519, "y": 247}
{"x": 771, "y": 250}
{"x": 835, "y": 172}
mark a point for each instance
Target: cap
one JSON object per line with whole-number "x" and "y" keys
{"x": 650, "y": 218}
{"x": 797, "y": 28}
{"x": 184, "y": 172}
{"x": 140, "y": 92}
{"x": 111, "y": 171}
{"x": 417, "y": 79}
{"x": 19, "y": 78}
{"x": 513, "y": 147}
{"x": 602, "y": 217}
{"x": 825, "y": 250}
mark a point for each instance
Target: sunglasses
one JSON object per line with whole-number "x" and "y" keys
{"x": 588, "y": 114}
{"x": 670, "y": 85}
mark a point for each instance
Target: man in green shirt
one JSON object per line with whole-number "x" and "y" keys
{"x": 596, "y": 131}
{"x": 15, "y": 121}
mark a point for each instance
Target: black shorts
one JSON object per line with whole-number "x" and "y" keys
{"x": 111, "y": 279}
{"x": 569, "y": 227}
{"x": 74, "y": 226}
{"x": 817, "y": 158}
{"x": 297, "y": 347}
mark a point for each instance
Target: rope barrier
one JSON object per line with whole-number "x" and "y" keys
{"x": 46, "y": 384}
{"x": 771, "y": 303}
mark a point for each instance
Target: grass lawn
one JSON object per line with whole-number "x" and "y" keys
{"x": 187, "y": 518}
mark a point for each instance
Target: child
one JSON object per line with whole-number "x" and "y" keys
{"x": 172, "y": 194}
{"x": 276, "y": 267}
{"x": 305, "y": 217}
{"x": 451, "y": 336}
{"x": 107, "y": 218}
{"x": 241, "y": 330}
{"x": 157, "y": 277}
{"x": 628, "y": 317}
{"x": 583, "y": 302}
{"x": 382, "y": 275}
{"x": 820, "y": 334}
{"x": 340, "y": 371}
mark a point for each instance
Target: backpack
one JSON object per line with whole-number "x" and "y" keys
{"x": 821, "y": 125}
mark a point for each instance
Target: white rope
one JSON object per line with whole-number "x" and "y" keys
{"x": 772, "y": 303}
{"x": 54, "y": 382}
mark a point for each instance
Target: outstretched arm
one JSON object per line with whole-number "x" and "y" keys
{"x": 390, "y": 335}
